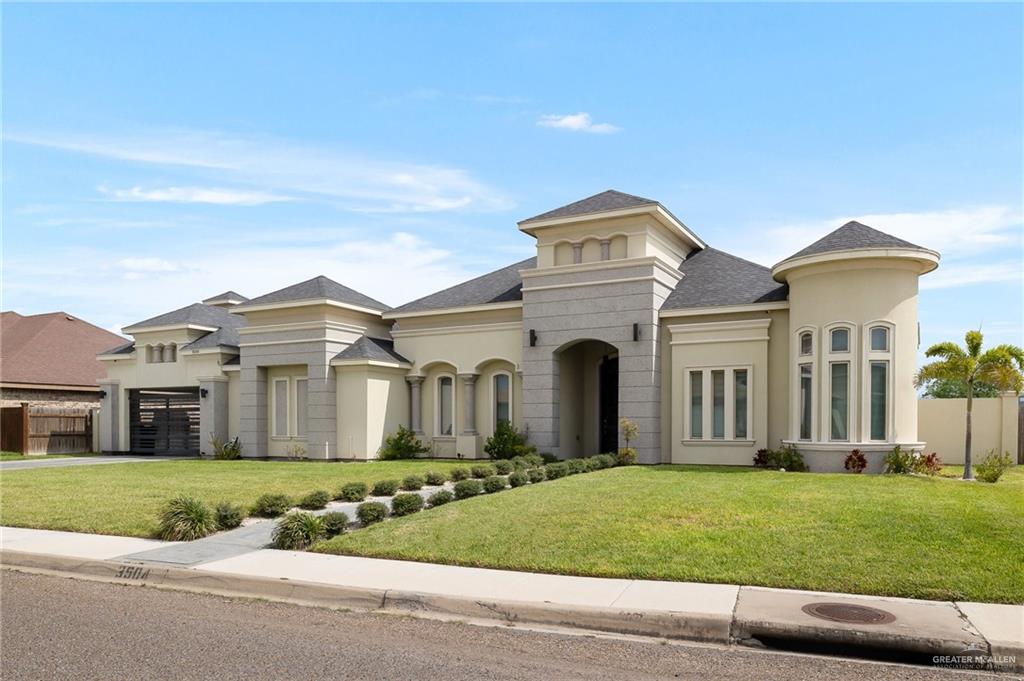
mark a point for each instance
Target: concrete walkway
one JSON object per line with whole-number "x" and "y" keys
{"x": 62, "y": 462}
{"x": 707, "y": 612}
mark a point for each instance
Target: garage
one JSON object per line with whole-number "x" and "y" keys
{"x": 164, "y": 421}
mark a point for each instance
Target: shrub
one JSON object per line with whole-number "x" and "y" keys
{"x": 271, "y": 505}
{"x": 494, "y": 483}
{"x": 629, "y": 429}
{"x": 761, "y": 458}
{"x": 402, "y": 445}
{"x": 519, "y": 463}
{"x": 314, "y": 501}
{"x": 503, "y": 467}
{"x": 440, "y": 498}
{"x": 855, "y": 462}
{"x": 576, "y": 466}
{"x": 295, "y": 453}
{"x": 228, "y": 516}
{"x": 556, "y": 470}
{"x": 186, "y": 518}
{"x": 930, "y": 464}
{"x": 298, "y": 531}
{"x": 407, "y": 503}
{"x": 533, "y": 460}
{"x": 604, "y": 461}
{"x": 518, "y": 479}
{"x": 790, "y": 459}
{"x": 232, "y": 449}
{"x": 412, "y": 483}
{"x": 385, "y": 488}
{"x": 335, "y": 523}
{"x": 435, "y": 477}
{"x": 464, "y": 489}
{"x": 482, "y": 471}
{"x": 370, "y": 512}
{"x": 899, "y": 462}
{"x": 993, "y": 466}
{"x": 507, "y": 442}
{"x": 457, "y": 474}
{"x": 547, "y": 457}
{"x": 353, "y": 491}
{"x": 627, "y": 456}
{"x": 536, "y": 475}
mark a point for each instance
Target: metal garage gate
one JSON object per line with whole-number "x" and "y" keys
{"x": 164, "y": 421}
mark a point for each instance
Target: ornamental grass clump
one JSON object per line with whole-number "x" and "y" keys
{"x": 314, "y": 501}
{"x": 353, "y": 491}
{"x": 993, "y": 466}
{"x": 385, "y": 488}
{"x": 228, "y": 516}
{"x": 370, "y": 512}
{"x": 298, "y": 531}
{"x": 271, "y": 505}
{"x": 435, "y": 478}
{"x": 406, "y": 504}
{"x": 186, "y": 518}
{"x": 464, "y": 489}
{"x": 335, "y": 523}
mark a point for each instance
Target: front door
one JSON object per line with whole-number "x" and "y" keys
{"x": 608, "y": 404}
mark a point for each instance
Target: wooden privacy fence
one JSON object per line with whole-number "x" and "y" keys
{"x": 45, "y": 430}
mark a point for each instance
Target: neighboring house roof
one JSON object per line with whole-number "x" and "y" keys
{"x": 598, "y": 203}
{"x": 501, "y": 286}
{"x": 374, "y": 349}
{"x": 851, "y": 236}
{"x": 713, "y": 278}
{"x": 318, "y": 288}
{"x": 52, "y": 349}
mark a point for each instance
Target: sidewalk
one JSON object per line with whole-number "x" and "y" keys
{"x": 706, "y": 612}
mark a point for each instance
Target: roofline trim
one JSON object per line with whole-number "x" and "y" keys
{"x": 468, "y": 328}
{"x": 725, "y": 309}
{"x": 135, "y": 328}
{"x": 305, "y": 302}
{"x": 508, "y": 305}
{"x": 370, "y": 362}
{"x": 655, "y": 209}
{"x": 927, "y": 258}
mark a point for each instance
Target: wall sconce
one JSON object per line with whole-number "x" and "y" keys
{"x": 103, "y": 393}
{"x": 533, "y": 338}
{"x": 203, "y": 392}
{"x": 636, "y": 331}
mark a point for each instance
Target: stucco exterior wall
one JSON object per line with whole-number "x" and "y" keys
{"x": 372, "y": 403}
{"x": 942, "y": 425}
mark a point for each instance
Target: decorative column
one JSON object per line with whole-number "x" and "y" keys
{"x": 414, "y": 403}
{"x": 606, "y": 249}
{"x": 577, "y": 253}
{"x": 469, "y": 403}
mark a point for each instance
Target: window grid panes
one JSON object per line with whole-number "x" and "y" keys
{"x": 840, "y": 402}
{"x": 806, "y": 344}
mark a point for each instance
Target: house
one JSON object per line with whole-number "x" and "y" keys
{"x": 51, "y": 359}
{"x": 623, "y": 312}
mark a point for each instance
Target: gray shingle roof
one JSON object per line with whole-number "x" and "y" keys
{"x": 227, "y": 295}
{"x": 376, "y": 349}
{"x": 500, "y": 286}
{"x": 233, "y": 361}
{"x": 850, "y": 236}
{"x": 196, "y": 313}
{"x": 712, "y": 278}
{"x": 598, "y": 203}
{"x": 124, "y": 349}
{"x": 224, "y": 336}
{"x": 319, "y": 288}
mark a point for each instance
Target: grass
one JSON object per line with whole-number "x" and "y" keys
{"x": 11, "y": 456}
{"x": 18, "y": 456}
{"x": 915, "y": 537}
{"x": 126, "y": 499}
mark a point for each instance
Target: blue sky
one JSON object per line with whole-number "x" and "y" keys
{"x": 154, "y": 155}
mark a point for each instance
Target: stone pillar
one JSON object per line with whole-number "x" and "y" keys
{"x": 415, "y": 415}
{"x": 253, "y": 409}
{"x": 213, "y": 413}
{"x": 577, "y": 253}
{"x": 469, "y": 403}
{"x": 110, "y": 415}
{"x": 321, "y": 409}
{"x": 168, "y": 353}
{"x": 606, "y": 249}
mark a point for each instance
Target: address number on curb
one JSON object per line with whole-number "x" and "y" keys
{"x": 133, "y": 572}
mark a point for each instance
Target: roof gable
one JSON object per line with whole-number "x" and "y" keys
{"x": 598, "y": 203}
{"x": 371, "y": 349}
{"x": 851, "y": 236}
{"x": 500, "y": 286}
{"x": 53, "y": 349}
{"x": 318, "y": 288}
{"x": 196, "y": 314}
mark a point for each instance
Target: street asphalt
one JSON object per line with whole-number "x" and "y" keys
{"x": 59, "y": 628}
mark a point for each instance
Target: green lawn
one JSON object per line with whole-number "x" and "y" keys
{"x": 124, "y": 499}
{"x": 892, "y": 535}
{"x": 10, "y": 456}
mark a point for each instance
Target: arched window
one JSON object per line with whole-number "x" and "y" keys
{"x": 840, "y": 383}
{"x": 501, "y": 391}
{"x": 879, "y": 339}
{"x": 445, "y": 405}
{"x": 806, "y": 343}
{"x": 878, "y": 379}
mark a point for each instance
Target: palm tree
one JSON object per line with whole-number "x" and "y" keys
{"x": 1001, "y": 367}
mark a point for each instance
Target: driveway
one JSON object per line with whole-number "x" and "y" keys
{"x": 62, "y": 462}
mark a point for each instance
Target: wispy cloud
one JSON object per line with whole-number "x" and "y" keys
{"x": 578, "y": 122}
{"x": 275, "y": 167}
{"x": 951, "y": 276}
{"x": 215, "y": 195}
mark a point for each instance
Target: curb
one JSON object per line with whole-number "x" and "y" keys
{"x": 663, "y": 624}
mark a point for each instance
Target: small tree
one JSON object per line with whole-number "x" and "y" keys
{"x": 1001, "y": 367}
{"x": 402, "y": 445}
{"x": 630, "y": 429}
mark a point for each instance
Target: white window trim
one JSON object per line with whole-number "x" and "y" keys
{"x": 870, "y": 356}
{"x": 797, "y": 360}
{"x": 800, "y": 343}
{"x": 799, "y": 406}
{"x": 828, "y": 359}
{"x": 273, "y": 408}
{"x": 494, "y": 399}
{"x": 296, "y": 382}
{"x": 707, "y": 403}
{"x": 437, "y": 406}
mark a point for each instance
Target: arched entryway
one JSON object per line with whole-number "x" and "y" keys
{"x": 588, "y": 398}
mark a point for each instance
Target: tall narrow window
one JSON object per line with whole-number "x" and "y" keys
{"x": 502, "y": 399}
{"x": 806, "y": 343}
{"x": 739, "y": 377}
{"x": 280, "y": 407}
{"x": 879, "y": 398}
{"x": 840, "y": 407}
{"x": 806, "y": 387}
{"x": 718, "y": 404}
{"x": 696, "y": 404}
{"x": 446, "y": 407}
{"x": 840, "y": 340}
{"x": 301, "y": 403}
{"x": 880, "y": 339}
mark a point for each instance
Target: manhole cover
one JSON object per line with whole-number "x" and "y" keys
{"x": 848, "y": 613}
